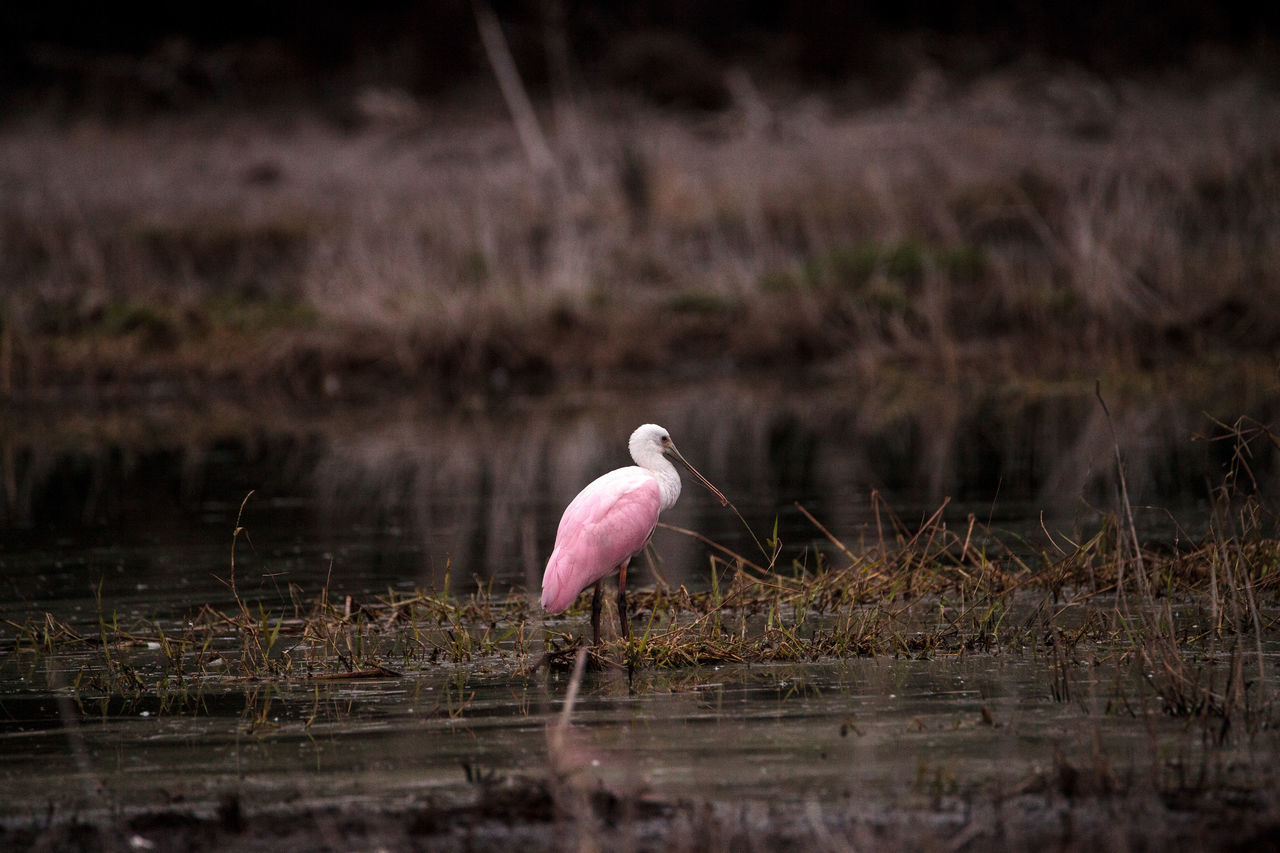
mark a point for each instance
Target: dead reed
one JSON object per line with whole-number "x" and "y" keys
{"x": 1186, "y": 626}
{"x": 301, "y": 254}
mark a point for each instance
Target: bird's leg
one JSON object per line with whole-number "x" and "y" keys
{"x": 595, "y": 616}
{"x": 623, "y": 623}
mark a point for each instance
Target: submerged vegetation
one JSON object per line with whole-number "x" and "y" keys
{"x": 1189, "y": 624}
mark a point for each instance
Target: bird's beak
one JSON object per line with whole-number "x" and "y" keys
{"x": 675, "y": 454}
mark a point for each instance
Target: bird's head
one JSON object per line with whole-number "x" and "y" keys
{"x": 651, "y": 439}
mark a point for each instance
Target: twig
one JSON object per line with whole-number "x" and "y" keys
{"x": 571, "y": 696}
{"x": 706, "y": 541}
{"x": 513, "y": 92}
{"x": 827, "y": 533}
{"x": 1125, "y": 506}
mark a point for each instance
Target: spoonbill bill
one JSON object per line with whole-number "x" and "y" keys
{"x": 610, "y": 521}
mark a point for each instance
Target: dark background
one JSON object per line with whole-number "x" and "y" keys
{"x": 179, "y": 55}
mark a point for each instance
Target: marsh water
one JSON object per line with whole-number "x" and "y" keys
{"x": 119, "y": 513}
{"x": 872, "y": 731}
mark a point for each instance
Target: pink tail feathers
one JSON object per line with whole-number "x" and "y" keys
{"x": 556, "y": 595}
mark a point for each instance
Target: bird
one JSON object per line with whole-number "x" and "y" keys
{"x": 610, "y": 521}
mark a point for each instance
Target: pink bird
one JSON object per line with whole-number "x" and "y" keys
{"x": 610, "y": 521}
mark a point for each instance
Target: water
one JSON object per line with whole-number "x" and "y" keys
{"x": 138, "y": 505}
{"x": 875, "y": 729}
{"x": 129, "y": 514}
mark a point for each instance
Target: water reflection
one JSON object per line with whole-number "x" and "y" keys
{"x": 403, "y": 492}
{"x": 884, "y": 729}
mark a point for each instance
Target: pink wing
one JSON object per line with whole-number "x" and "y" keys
{"x": 606, "y": 523}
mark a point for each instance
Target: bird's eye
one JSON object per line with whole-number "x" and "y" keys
{"x": 666, "y": 439}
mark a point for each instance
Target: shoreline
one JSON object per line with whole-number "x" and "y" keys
{"x": 996, "y": 231}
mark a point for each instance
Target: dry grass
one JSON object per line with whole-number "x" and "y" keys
{"x": 927, "y": 592}
{"x": 1137, "y": 218}
{"x": 1186, "y": 626}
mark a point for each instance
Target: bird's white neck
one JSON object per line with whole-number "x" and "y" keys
{"x": 653, "y": 460}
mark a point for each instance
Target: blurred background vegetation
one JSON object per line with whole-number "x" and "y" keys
{"x": 329, "y": 201}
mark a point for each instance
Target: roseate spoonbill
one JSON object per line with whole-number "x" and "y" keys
{"x": 610, "y": 521}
